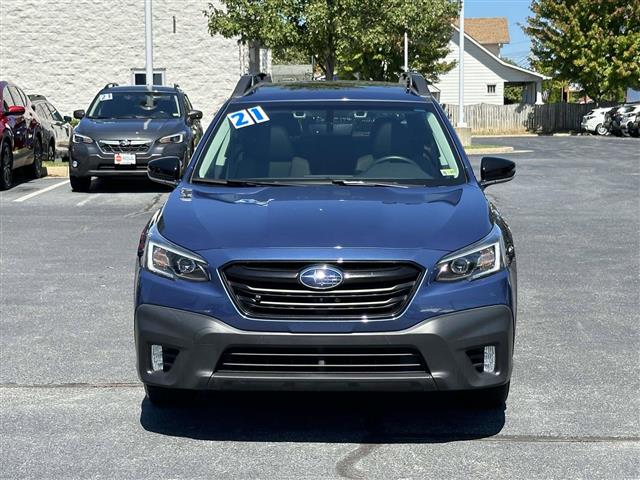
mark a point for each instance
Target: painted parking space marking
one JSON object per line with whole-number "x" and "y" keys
{"x": 88, "y": 199}
{"x": 41, "y": 191}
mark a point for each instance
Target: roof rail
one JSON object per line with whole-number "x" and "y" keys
{"x": 416, "y": 83}
{"x": 110, "y": 85}
{"x": 248, "y": 81}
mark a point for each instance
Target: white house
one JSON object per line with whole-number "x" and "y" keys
{"x": 485, "y": 73}
{"x": 69, "y": 49}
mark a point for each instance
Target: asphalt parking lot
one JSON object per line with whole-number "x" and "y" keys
{"x": 71, "y": 405}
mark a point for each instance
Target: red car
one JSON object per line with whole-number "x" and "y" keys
{"x": 20, "y": 135}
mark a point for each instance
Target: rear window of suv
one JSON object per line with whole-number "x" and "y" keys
{"x": 404, "y": 143}
{"x": 135, "y": 105}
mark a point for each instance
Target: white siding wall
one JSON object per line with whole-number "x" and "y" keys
{"x": 480, "y": 70}
{"x": 68, "y": 49}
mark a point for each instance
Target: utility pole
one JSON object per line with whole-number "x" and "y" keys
{"x": 148, "y": 36}
{"x": 461, "y": 122}
{"x": 406, "y": 52}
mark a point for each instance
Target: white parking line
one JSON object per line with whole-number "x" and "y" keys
{"x": 87, "y": 200}
{"x": 42, "y": 190}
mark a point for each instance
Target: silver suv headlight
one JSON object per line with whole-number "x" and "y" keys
{"x": 478, "y": 260}
{"x": 169, "y": 260}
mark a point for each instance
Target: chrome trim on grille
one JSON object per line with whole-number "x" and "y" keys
{"x": 252, "y": 287}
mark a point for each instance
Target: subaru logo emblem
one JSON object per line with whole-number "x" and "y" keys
{"x": 125, "y": 143}
{"x": 321, "y": 277}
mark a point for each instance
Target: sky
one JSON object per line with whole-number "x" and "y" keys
{"x": 516, "y": 12}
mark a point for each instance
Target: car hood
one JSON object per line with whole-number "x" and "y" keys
{"x": 325, "y": 216}
{"x": 134, "y": 128}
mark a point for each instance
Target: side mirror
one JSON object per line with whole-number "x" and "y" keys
{"x": 15, "y": 110}
{"x": 195, "y": 115}
{"x": 67, "y": 119}
{"x": 79, "y": 114}
{"x": 165, "y": 170}
{"x": 496, "y": 170}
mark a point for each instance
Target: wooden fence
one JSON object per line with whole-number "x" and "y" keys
{"x": 496, "y": 119}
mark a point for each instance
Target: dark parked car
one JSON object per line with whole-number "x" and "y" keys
{"x": 619, "y": 119}
{"x": 21, "y": 137}
{"x": 608, "y": 118}
{"x": 127, "y": 126}
{"x": 327, "y": 235}
{"x": 56, "y": 129}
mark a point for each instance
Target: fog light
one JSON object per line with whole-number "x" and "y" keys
{"x": 156, "y": 358}
{"x": 74, "y": 164}
{"x": 489, "y": 359}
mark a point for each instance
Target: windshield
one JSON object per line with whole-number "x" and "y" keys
{"x": 302, "y": 142}
{"x": 135, "y": 105}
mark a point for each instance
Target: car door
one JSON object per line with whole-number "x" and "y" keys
{"x": 46, "y": 122}
{"x": 20, "y": 126}
{"x": 62, "y": 129}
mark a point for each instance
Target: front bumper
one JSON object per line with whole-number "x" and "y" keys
{"x": 93, "y": 162}
{"x": 443, "y": 341}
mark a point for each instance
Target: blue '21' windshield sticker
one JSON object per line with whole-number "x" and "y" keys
{"x": 250, "y": 116}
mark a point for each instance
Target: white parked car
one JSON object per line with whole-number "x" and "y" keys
{"x": 593, "y": 121}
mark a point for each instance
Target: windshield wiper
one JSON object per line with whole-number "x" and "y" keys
{"x": 362, "y": 183}
{"x": 241, "y": 183}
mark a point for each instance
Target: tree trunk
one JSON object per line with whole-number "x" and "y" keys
{"x": 330, "y": 66}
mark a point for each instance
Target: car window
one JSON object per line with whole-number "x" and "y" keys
{"x": 188, "y": 103}
{"x": 17, "y": 99}
{"x": 25, "y": 102}
{"x": 135, "y": 105}
{"x": 7, "y": 101}
{"x": 42, "y": 112}
{"x": 303, "y": 142}
{"x": 55, "y": 115}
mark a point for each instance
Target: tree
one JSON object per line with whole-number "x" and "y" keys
{"x": 363, "y": 37}
{"x": 595, "y": 43}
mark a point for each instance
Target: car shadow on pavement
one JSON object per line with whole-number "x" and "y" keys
{"x": 327, "y": 417}
{"x": 127, "y": 185}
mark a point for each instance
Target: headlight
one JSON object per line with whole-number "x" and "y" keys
{"x": 175, "y": 138}
{"x": 470, "y": 263}
{"x": 77, "y": 138}
{"x": 163, "y": 258}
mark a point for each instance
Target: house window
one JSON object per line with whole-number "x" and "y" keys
{"x": 491, "y": 88}
{"x": 140, "y": 77}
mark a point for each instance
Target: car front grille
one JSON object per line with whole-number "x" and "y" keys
{"x": 328, "y": 360}
{"x": 115, "y": 146}
{"x": 369, "y": 290}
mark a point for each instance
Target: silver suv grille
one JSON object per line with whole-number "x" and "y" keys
{"x": 272, "y": 290}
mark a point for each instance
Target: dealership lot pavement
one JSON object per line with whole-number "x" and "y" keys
{"x": 71, "y": 406}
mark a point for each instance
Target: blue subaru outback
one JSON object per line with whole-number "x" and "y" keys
{"x": 327, "y": 236}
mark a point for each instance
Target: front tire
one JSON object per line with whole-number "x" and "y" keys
{"x": 6, "y": 167}
{"x": 51, "y": 156}
{"x": 35, "y": 169}
{"x": 601, "y": 129}
{"x": 162, "y": 396}
{"x": 80, "y": 184}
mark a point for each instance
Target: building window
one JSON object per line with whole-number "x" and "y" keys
{"x": 140, "y": 77}
{"x": 491, "y": 89}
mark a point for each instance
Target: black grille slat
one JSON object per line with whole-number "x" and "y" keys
{"x": 369, "y": 290}
{"x": 315, "y": 360}
{"x": 116, "y": 148}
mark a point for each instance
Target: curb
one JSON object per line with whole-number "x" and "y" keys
{"x": 61, "y": 171}
{"x": 488, "y": 150}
